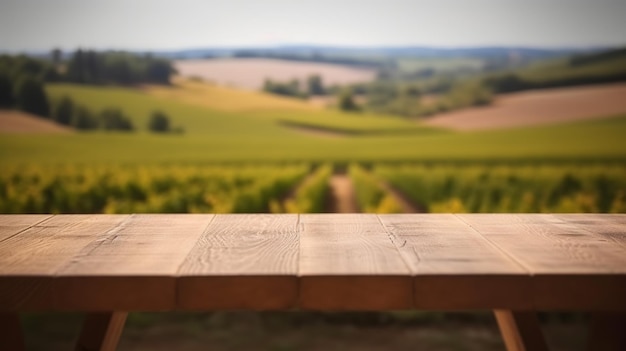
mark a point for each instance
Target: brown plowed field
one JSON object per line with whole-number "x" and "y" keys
{"x": 539, "y": 107}
{"x": 251, "y": 73}
{"x": 20, "y": 122}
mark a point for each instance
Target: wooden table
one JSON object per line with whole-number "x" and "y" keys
{"x": 107, "y": 265}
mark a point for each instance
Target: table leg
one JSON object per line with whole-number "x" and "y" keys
{"x": 520, "y": 330}
{"x": 607, "y": 332}
{"x": 11, "y": 337}
{"x": 101, "y": 331}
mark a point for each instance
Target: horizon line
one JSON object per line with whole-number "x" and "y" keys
{"x": 325, "y": 46}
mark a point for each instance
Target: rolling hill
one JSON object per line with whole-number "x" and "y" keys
{"x": 215, "y": 132}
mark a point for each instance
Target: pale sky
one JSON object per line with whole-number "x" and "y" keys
{"x": 177, "y": 24}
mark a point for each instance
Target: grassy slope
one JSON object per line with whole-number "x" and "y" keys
{"x": 222, "y": 136}
{"x": 410, "y": 64}
{"x": 556, "y": 70}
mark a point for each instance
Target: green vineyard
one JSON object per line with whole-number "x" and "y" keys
{"x": 502, "y": 188}
{"x": 304, "y": 188}
{"x": 246, "y": 152}
{"x": 138, "y": 189}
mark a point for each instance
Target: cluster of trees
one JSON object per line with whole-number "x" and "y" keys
{"x": 159, "y": 122}
{"x": 21, "y": 84}
{"x": 13, "y": 68}
{"x": 291, "y": 88}
{"x": 314, "y": 86}
{"x": 407, "y": 99}
{"x": 29, "y": 96}
{"x": 67, "y": 112}
{"x": 346, "y": 101}
{"x": 91, "y": 67}
{"x": 26, "y": 93}
{"x": 22, "y": 81}
{"x": 512, "y": 82}
{"x": 402, "y": 93}
{"x": 597, "y": 68}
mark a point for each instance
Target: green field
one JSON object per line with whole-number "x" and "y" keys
{"x": 194, "y": 171}
{"x": 527, "y": 188}
{"x": 213, "y": 135}
{"x": 442, "y": 65}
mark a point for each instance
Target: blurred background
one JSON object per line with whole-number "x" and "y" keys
{"x": 305, "y": 107}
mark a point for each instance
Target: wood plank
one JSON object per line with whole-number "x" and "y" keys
{"x": 133, "y": 268}
{"x": 356, "y": 262}
{"x": 571, "y": 267}
{"x": 607, "y": 332}
{"x": 101, "y": 331}
{"x": 547, "y": 244}
{"x": 45, "y": 248}
{"x": 11, "y": 336}
{"x": 610, "y": 226}
{"x": 11, "y": 225}
{"x": 242, "y": 261}
{"x": 454, "y": 266}
{"x": 349, "y": 262}
{"x": 520, "y": 330}
{"x": 29, "y": 260}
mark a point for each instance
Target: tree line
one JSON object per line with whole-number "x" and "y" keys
{"x": 22, "y": 80}
{"x": 66, "y": 112}
{"x": 317, "y": 57}
{"x": 293, "y": 88}
{"x": 596, "y": 68}
{"x": 314, "y": 86}
{"x": 90, "y": 67}
{"x": 113, "y": 67}
{"x": 69, "y": 113}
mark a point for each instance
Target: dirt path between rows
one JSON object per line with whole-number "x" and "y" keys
{"x": 342, "y": 197}
{"x": 407, "y": 205}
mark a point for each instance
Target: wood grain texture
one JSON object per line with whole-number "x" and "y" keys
{"x": 609, "y": 226}
{"x": 520, "y": 331}
{"x": 242, "y": 261}
{"x": 547, "y": 244}
{"x": 44, "y": 249}
{"x": 349, "y": 262}
{"x": 101, "y": 331}
{"x": 454, "y": 267}
{"x": 11, "y": 225}
{"x": 30, "y": 259}
{"x": 570, "y": 267}
{"x": 134, "y": 267}
{"x": 326, "y": 262}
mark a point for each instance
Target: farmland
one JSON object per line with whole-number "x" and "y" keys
{"x": 250, "y": 73}
{"x": 537, "y": 107}
{"x": 129, "y": 189}
{"x": 244, "y": 151}
{"x": 501, "y": 188}
{"x": 247, "y": 152}
{"x": 21, "y": 122}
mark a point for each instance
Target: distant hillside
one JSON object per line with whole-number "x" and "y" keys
{"x": 595, "y": 68}
{"x": 312, "y": 52}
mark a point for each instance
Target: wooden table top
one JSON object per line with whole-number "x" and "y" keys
{"x": 312, "y": 261}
